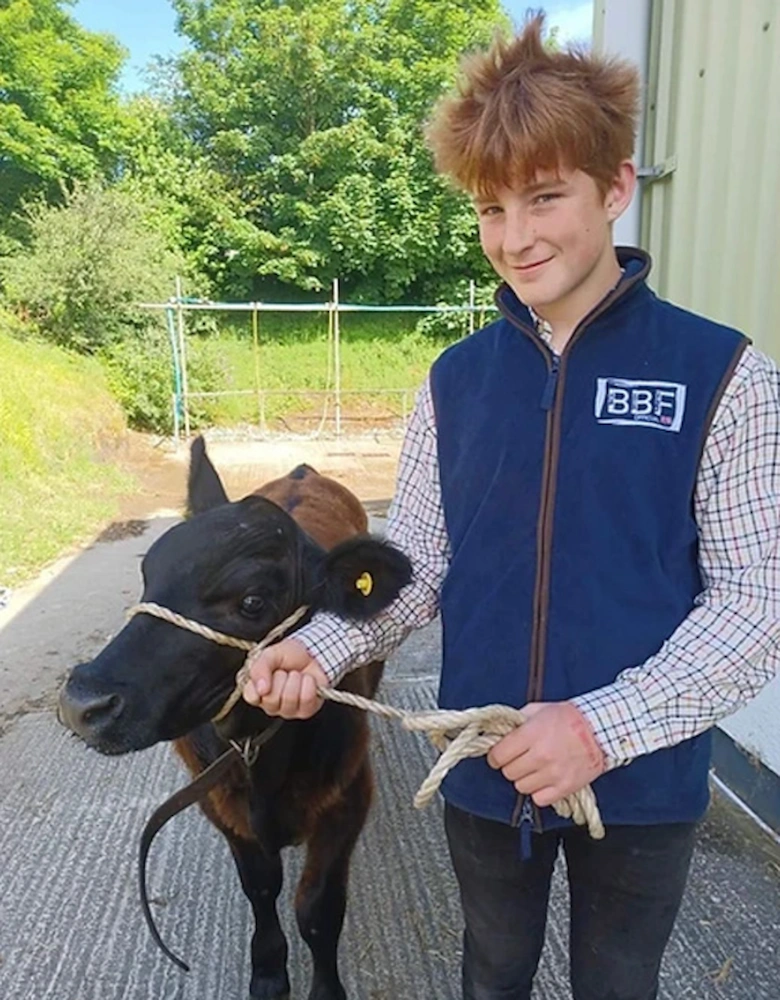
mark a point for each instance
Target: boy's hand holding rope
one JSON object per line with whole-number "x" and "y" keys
{"x": 456, "y": 734}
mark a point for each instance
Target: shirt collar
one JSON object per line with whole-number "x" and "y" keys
{"x": 542, "y": 327}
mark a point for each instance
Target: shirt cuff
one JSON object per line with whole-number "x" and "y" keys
{"x": 327, "y": 639}
{"x": 621, "y": 722}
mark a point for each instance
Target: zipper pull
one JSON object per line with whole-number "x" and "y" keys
{"x": 548, "y": 396}
{"x": 526, "y": 829}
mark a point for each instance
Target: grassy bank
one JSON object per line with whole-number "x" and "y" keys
{"x": 293, "y": 352}
{"x": 56, "y": 419}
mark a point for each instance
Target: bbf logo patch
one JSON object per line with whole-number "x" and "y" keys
{"x": 638, "y": 403}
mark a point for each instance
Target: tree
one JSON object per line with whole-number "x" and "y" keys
{"x": 312, "y": 113}
{"x": 60, "y": 117}
{"x": 186, "y": 199}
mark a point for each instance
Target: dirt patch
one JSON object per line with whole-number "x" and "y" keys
{"x": 366, "y": 465}
{"x": 160, "y": 481}
{"x": 42, "y": 703}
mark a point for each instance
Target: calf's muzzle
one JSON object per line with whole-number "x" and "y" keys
{"x": 86, "y": 713}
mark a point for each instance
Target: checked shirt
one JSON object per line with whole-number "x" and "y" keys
{"x": 722, "y": 653}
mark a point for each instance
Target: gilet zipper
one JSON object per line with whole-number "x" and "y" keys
{"x": 526, "y": 814}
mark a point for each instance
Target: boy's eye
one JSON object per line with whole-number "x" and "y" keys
{"x": 545, "y": 199}
{"x": 489, "y": 209}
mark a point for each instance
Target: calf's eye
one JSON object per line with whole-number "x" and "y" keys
{"x": 252, "y": 606}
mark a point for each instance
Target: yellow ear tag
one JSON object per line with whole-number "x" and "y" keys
{"x": 365, "y": 584}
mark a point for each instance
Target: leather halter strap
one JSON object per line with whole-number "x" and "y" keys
{"x": 179, "y": 801}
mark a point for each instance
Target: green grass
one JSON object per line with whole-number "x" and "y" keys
{"x": 379, "y": 352}
{"x": 56, "y": 418}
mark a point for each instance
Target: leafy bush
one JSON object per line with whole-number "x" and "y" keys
{"x": 450, "y": 326}
{"x": 14, "y": 326}
{"x": 140, "y": 374}
{"x": 87, "y": 263}
{"x": 443, "y": 326}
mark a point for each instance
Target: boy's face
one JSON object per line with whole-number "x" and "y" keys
{"x": 551, "y": 241}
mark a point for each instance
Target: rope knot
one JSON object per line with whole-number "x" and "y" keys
{"x": 471, "y": 732}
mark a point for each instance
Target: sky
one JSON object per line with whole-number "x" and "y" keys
{"x": 147, "y": 27}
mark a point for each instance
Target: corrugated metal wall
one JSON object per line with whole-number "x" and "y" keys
{"x": 712, "y": 224}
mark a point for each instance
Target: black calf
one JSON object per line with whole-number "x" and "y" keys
{"x": 241, "y": 568}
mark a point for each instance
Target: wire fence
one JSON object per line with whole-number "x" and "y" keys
{"x": 329, "y": 414}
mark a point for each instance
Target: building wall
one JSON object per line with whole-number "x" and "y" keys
{"x": 712, "y": 224}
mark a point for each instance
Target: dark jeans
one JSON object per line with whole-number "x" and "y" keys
{"x": 625, "y": 893}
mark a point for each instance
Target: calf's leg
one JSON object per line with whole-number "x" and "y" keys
{"x": 321, "y": 897}
{"x": 261, "y": 878}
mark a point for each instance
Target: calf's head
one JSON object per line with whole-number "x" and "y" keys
{"x": 240, "y": 568}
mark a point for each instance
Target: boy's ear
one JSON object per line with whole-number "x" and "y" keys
{"x": 204, "y": 487}
{"x": 621, "y": 190}
{"x": 361, "y": 576}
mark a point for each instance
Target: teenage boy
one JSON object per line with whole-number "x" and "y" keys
{"x": 589, "y": 490}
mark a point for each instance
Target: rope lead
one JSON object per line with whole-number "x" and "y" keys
{"x": 456, "y": 734}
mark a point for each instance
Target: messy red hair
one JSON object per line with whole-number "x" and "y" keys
{"x": 521, "y": 107}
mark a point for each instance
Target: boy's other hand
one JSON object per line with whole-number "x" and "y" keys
{"x": 283, "y": 681}
{"x": 552, "y": 755}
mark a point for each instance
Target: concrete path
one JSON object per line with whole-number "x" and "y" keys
{"x": 70, "y": 922}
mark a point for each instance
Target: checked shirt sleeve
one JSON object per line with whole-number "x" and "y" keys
{"x": 728, "y": 647}
{"x": 416, "y": 525}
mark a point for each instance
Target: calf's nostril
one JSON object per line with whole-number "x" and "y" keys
{"x": 101, "y": 709}
{"x": 92, "y": 713}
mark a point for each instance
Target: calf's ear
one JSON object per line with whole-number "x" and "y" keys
{"x": 204, "y": 487}
{"x": 361, "y": 576}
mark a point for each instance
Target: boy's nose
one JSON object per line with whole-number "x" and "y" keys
{"x": 519, "y": 236}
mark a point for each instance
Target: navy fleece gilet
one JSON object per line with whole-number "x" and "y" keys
{"x": 568, "y": 499}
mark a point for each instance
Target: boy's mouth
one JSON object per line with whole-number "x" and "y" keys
{"x": 530, "y": 268}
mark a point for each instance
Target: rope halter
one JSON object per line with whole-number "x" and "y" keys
{"x": 222, "y": 639}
